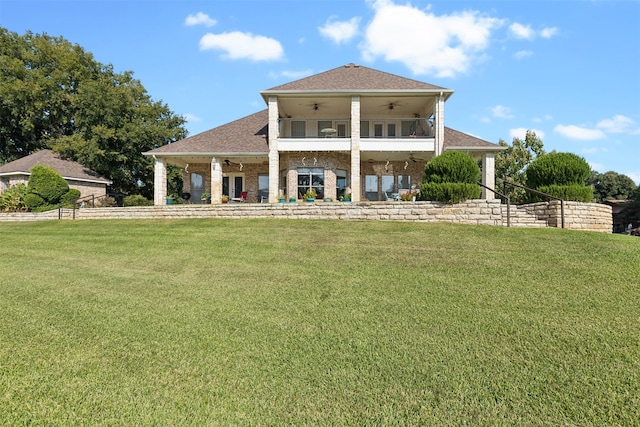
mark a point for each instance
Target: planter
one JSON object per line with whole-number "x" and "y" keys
{"x": 346, "y": 200}
{"x": 169, "y": 200}
{"x": 292, "y": 200}
{"x": 281, "y": 201}
{"x": 310, "y": 199}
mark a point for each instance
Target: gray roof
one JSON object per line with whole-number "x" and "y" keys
{"x": 454, "y": 139}
{"x": 67, "y": 168}
{"x": 247, "y": 135}
{"x": 352, "y": 77}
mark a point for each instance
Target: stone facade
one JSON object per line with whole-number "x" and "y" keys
{"x": 578, "y": 216}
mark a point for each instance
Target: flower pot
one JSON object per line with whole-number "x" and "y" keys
{"x": 292, "y": 200}
{"x": 310, "y": 199}
{"x": 281, "y": 200}
{"x": 169, "y": 200}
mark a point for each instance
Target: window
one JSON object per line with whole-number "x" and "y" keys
{"x": 341, "y": 182}
{"x": 197, "y": 186}
{"x": 387, "y": 186}
{"x": 311, "y": 178}
{"x": 298, "y": 129}
{"x": 377, "y": 130}
{"x": 263, "y": 187}
{"x": 391, "y": 130}
{"x": 324, "y": 124}
{"x": 404, "y": 183}
{"x": 342, "y": 130}
{"x": 364, "y": 129}
{"x": 371, "y": 187}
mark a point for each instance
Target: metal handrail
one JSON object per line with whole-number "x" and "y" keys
{"x": 508, "y": 199}
{"x": 540, "y": 193}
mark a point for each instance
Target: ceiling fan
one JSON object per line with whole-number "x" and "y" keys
{"x": 415, "y": 159}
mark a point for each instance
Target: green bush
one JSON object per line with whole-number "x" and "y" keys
{"x": 452, "y": 166}
{"x": 33, "y": 201}
{"x": 449, "y": 192}
{"x": 575, "y": 192}
{"x": 557, "y": 169}
{"x": 48, "y": 184}
{"x": 70, "y": 197}
{"x": 137, "y": 200}
{"x": 12, "y": 200}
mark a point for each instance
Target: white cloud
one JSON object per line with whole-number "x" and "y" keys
{"x": 617, "y": 124}
{"x": 191, "y": 117}
{"x": 295, "y": 75}
{"x": 548, "y": 32}
{"x": 525, "y": 32}
{"x": 502, "y": 112}
{"x": 237, "y": 45}
{"x": 521, "y": 31}
{"x": 541, "y": 119}
{"x": 445, "y": 45}
{"x": 340, "y": 31}
{"x": 522, "y": 54}
{"x": 578, "y": 132}
{"x": 199, "y": 19}
{"x": 521, "y": 133}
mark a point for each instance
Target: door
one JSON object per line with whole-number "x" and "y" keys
{"x": 232, "y": 185}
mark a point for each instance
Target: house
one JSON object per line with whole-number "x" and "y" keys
{"x": 77, "y": 176}
{"x": 351, "y": 129}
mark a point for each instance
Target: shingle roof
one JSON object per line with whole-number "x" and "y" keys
{"x": 456, "y": 139}
{"x": 247, "y": 135}
{"x": 66, "y": 168}
{"x": 352, "y": 77}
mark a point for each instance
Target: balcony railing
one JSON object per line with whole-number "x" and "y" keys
{"x": 386, "y": 128}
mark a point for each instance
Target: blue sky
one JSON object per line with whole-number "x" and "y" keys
{"x": 569, "y": 70}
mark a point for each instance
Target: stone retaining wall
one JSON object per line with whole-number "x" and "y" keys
{"x": 581, "y": 216}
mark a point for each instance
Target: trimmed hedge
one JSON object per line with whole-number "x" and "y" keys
{"x": 137, "y": 200}
{"x": 449, "y": 192}
{"x": 557, "y": 169}
{"x": 575, "y": 192}
{"x": 452, "y": 166}
{"x": 451, "y": 177}
{"x": 33, "y": 201}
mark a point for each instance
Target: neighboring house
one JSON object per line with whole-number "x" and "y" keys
{"x": 77, "y": 176}
{"x": 351, "y": 129}
{"x": 624, "y": 216}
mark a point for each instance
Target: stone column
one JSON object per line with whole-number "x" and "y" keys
{"x": 355, "y": 149}
{"x": 488, "y": 175}
{"x": 438, "y": 119}
{"x": 274, "y": 156}
{"x": 216, "y": 181}
{"x": 159, "y": 182}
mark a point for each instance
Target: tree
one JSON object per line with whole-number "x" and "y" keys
{"x": 450, "y": 177}
{"x": 511, "y": 163}
{"x": 54, "y": 94}
{"x": 611, "y": 186}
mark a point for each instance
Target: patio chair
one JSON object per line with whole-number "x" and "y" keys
{"x": 242, "y": 198}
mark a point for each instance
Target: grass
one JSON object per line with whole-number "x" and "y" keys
{"x": 294, "y": 322}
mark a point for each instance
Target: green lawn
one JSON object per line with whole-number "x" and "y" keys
{"x": 295, "y": 322}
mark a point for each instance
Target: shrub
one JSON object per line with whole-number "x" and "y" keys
{"x": 575, "y": 192}
{"x": 12, "y": 200}
{"x": 106, "y": 202}
{"x": 137, "y": 200}
{"x": 48, "y": 184}
{"x": 449, "y": 192}
{"x": 452, "y": 166}
{"x": 70, "y": 197}
{"x": 33, "y": 201}
{"x": 557, "y": 169}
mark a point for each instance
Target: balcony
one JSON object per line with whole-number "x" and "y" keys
{"x": 376, "y": 134}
